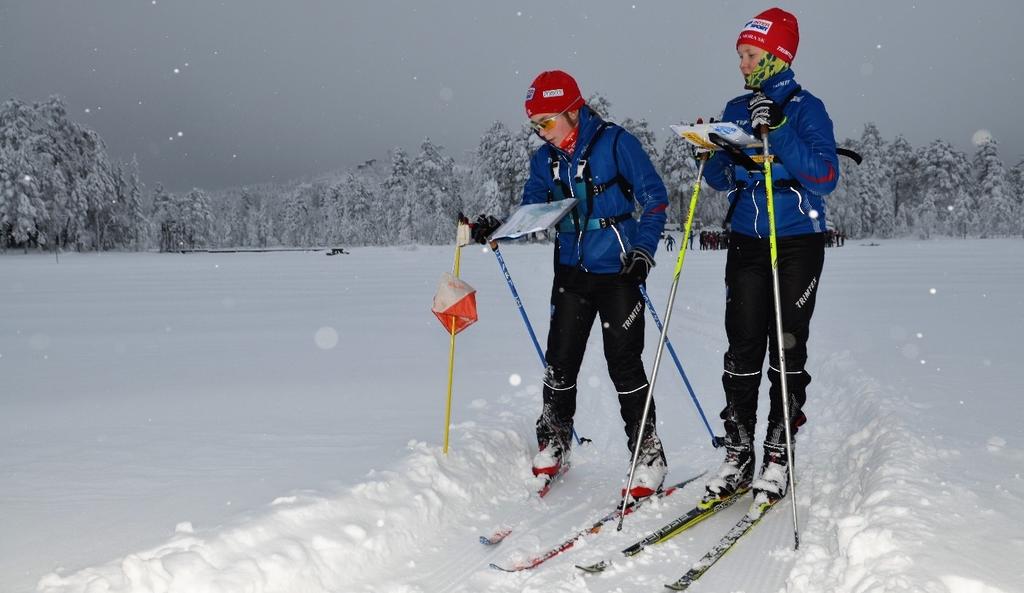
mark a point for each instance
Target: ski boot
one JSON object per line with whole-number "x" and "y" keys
{"x": 773, "y": 482}
{"x": 733, "y": 477}
{"x": 651, "y": 467}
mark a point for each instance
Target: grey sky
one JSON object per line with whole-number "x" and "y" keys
{"x": 270, "y": 91}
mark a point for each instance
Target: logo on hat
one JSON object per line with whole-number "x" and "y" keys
{"x": 529, "y": 93}
{"x": 554, "y": 93}
{"x": 758, "y": 25}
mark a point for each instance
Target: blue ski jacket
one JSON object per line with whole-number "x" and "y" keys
{"x": 805, "y": 170}
{"x": 610, "y": 173}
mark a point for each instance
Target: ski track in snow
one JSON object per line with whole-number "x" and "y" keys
{"x": 878, "y": 512}
{"x": 414, "y": 529}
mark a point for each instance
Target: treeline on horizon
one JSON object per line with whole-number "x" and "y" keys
{"x": 59, "y": 189}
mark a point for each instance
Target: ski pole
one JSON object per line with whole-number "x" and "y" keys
{"x": 716, "y": 441}
{"x": 661, "y": 341}
{"x": 774, "y": 244}
{"x": 451, "y": 350}
{"x": 526, "y": 319}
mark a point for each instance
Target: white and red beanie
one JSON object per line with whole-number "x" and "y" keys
{"x": 553, "y": 91}
{"x": 774, "y": 31}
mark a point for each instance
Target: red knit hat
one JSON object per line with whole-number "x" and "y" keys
{"x": 775, "y": 31}
{"x": 553, "y": 91}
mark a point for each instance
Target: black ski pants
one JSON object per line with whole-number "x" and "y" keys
{"x": 750, "y": 327}
{"x": 577, "y": 297}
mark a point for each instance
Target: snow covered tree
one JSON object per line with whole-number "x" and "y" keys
{"x": 73, "y": 188}
{"x": 996, "y": 208}
{"x": 677, "y": 170}
{"x": 500, "y": 171}
{"x": 435, "y": 195}
{"x": 601, "y": 106}
{"x": 904, "y": 180}
{"x": 1016, "y": 191}
{"x": 165, "y": 218}
{"x": 357, "y": 225}
{"x": 869, "y": 183}
{"x": 197, "y": 221}
{"x": 130, "y": 219}
{"x": 23, "y": 210}
{"x": 250, "y": 220}
{"x": 299, "y": 218}
{"x": 21, "y": 207}
{"x": 397, "y": 189}
{"x": 945, "y": 204}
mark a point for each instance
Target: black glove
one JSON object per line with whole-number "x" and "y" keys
{"x": 764, "y": 112}
{"x": 483, "y": 227}
{"x": 636, "y": 263}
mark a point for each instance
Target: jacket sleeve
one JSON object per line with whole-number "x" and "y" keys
{"x": 648, "y": 189}
{"x": 718, "y": 171}
{"x": 806, "y": 145}
{"x": 536, "y": 189}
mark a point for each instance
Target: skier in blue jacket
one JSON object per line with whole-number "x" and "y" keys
{"x": 603, "y": 253}
{"x": 805, "y": 169}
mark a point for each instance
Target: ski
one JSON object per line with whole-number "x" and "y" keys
{"x": 496, "y": 537}
{"x": 539, "y": 559}
{"x": 669, "y": 530}
{"x": 753, "y": 517}
{"x": 499, "y": 534}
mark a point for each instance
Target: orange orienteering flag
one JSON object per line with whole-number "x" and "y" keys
{"x": 455, "y": 301}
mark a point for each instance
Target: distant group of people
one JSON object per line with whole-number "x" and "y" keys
{"x": 834, "y": 238}
{"x": 605, "y": 249}
{"x": 710, "y": 240}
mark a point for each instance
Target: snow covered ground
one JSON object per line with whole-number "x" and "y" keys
{"x": 272, "y": 422}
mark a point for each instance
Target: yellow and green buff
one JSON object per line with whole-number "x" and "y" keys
{"x": 768, "y": 66}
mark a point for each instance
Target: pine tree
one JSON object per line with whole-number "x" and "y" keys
{"x": 435, "y": 194}
{"x": 131, "y": 217}
{"x": 23, "y": 212}
{"x": 995, "y": 204}
{"x": 869, "y": 182}
{"x": 297, "y": 219}
{"x": 165, "y": 218}
{"x": 964, "y": 216}
{"x": 197, "y": 219}
{"x": 601, "y": 106}
{"x": 904, "y": 178}
{"x": 499, "y": 171}
{"x": 677, "y": 170}
{"x": 843, "y": 211}
{"x": 397, "y": 191}
{"x": 1016, "y": 191}
{"x": 359, "y": 199}
{"x": 20, "y": 204}
{"x": 941, "y": 209}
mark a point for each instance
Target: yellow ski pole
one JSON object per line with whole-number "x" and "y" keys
{"x": 451, "y": 349}
{"x": 774, "y": 245}
{"x": 661, "y": 341}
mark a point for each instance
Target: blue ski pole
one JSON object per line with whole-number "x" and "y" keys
{"x": 526, "y": 320}
{"x": 716, "y": 441}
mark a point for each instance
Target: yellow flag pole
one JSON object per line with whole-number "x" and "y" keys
{"x": 451, "y": 352}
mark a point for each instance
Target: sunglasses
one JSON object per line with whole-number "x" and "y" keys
{"x": 542, "y": 125}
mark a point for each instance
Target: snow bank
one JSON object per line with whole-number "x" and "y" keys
{"x": 313, "y": 543}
